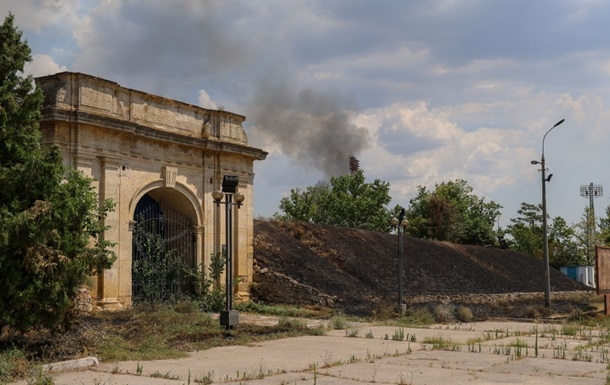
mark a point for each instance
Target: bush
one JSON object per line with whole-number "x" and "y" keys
{"x": 530, "y": 312}
{"x": 463, "y": 314}
{"x": 444, "y": 313}
{"x": 339, "y": 322}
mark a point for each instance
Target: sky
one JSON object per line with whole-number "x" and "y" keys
{"x": 420, "y": 92}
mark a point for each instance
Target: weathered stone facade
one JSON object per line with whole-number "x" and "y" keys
{"x": 135, "y": 144}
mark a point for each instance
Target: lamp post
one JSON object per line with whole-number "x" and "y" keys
{"x": 547, "y": 273}
{"x": 229, "y": 317}
{"x": 400, "y": 224}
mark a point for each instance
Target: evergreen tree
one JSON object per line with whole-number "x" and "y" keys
{"x": 51, "y": 222}
{"x": 528, "y": 237}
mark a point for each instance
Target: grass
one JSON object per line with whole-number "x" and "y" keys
{"x": 419, "y": 317}
{"x": 137, "y": 333}
{"x": 285, "y": 311}
{"x": 440, "y": 343}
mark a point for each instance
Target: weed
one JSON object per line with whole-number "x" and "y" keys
{"x": 166, "y": 375}
{"x": 399, "y": 334}
{"x": 41, "y": 377}
{"x": 369, "y": 334}
{"x": 569, "y": 330}
{"x": 439, "y": 343}
{"x": 139, "y": 369}
{"x": 283, "y": 311}
{"x": 291, "y": 323}
{"x": 339, "y": 322}
{"x": 353, "y": 332}
{"x": 13, "y": 364}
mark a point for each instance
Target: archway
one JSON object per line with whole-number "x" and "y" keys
{"x": 164, "y": 263}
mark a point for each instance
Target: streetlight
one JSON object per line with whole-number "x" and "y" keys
{"x": 229, "y": 317}
{"x": 547, "y": 273}
{"x": 401, "y": 224}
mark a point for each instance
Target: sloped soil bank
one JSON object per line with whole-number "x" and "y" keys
{"x": 356, "y": 271}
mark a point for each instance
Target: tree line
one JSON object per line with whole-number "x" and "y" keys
{"x": 450, "y": 212}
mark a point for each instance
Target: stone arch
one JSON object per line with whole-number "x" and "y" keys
{"x": 177, "y": 191}
{"x": 174, "y": 220}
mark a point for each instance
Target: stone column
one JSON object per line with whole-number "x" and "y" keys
{"x": 109, "y": 281}
{"x": 243, "y": 241}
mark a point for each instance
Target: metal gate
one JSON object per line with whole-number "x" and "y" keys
{"x": 163, "y": 253}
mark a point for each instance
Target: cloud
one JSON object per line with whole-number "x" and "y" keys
{"x": 42, "y": 65}
{"x": 161, "y": 47}
{"x": 35, "y": 15}
{"x": 206, "y": 100}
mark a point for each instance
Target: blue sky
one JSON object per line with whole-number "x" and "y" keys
{"x": 421, "y": 92}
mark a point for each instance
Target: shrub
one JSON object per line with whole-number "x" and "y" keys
{"x": 444, "y": 313}
{"x": 530, "y": 312}
{"x": 463, "y": 314}
{"x": 339, "y": 322}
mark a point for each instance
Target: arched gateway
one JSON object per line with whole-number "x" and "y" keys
{"x": 159, "y": 160}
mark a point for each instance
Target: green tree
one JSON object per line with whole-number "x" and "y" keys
{"x": 527, "y": 236}
{"x": 563, "y": 248}
{"x": 51, "y": 222}
{"x": 453, "y": 213}
{"x": 526, "y": 230}
{"x": 604, "y": 228}
{"x": 348, "y": 201}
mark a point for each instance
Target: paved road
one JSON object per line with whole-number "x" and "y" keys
{"x": 476, "y": 353}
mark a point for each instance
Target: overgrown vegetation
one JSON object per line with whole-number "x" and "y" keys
{"x": 144, "y": 332}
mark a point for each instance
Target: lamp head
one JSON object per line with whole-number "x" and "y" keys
{"x": 217, "y": 196}
{"x": 239, "y": 198}
{"x": 534, "y": 162}
{"x": 558, "y": 123}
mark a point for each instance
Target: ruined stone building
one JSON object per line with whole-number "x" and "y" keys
{"x": 155, "y": 158}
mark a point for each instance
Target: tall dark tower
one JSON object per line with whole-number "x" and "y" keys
{"x": 354, "y": 164}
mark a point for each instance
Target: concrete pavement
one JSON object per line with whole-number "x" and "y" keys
{"x": 473, "y": 353}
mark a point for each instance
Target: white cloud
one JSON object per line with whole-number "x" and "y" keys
{"x": 206, "y": 100}
{"x": 42, "y": 65}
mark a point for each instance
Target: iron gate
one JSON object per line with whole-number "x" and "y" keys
{"x": 163, "y": 253}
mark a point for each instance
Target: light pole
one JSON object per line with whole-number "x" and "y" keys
{"x": 229, "y": 317}
{"x": 547, "y": 272}
{"x": 401, "y": 224}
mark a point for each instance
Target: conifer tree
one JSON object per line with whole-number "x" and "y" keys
{"x": 51, "y": 220}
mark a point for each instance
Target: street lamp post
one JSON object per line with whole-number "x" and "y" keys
{"x": 547, "y": 272}
{"x": 229, "y": 317}
{"x": 401, "y": 224}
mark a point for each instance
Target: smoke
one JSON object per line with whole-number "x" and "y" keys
{"x": 308, "y": 126}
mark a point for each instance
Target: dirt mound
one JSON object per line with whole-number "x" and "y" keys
{"x": 359, "y": 269}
